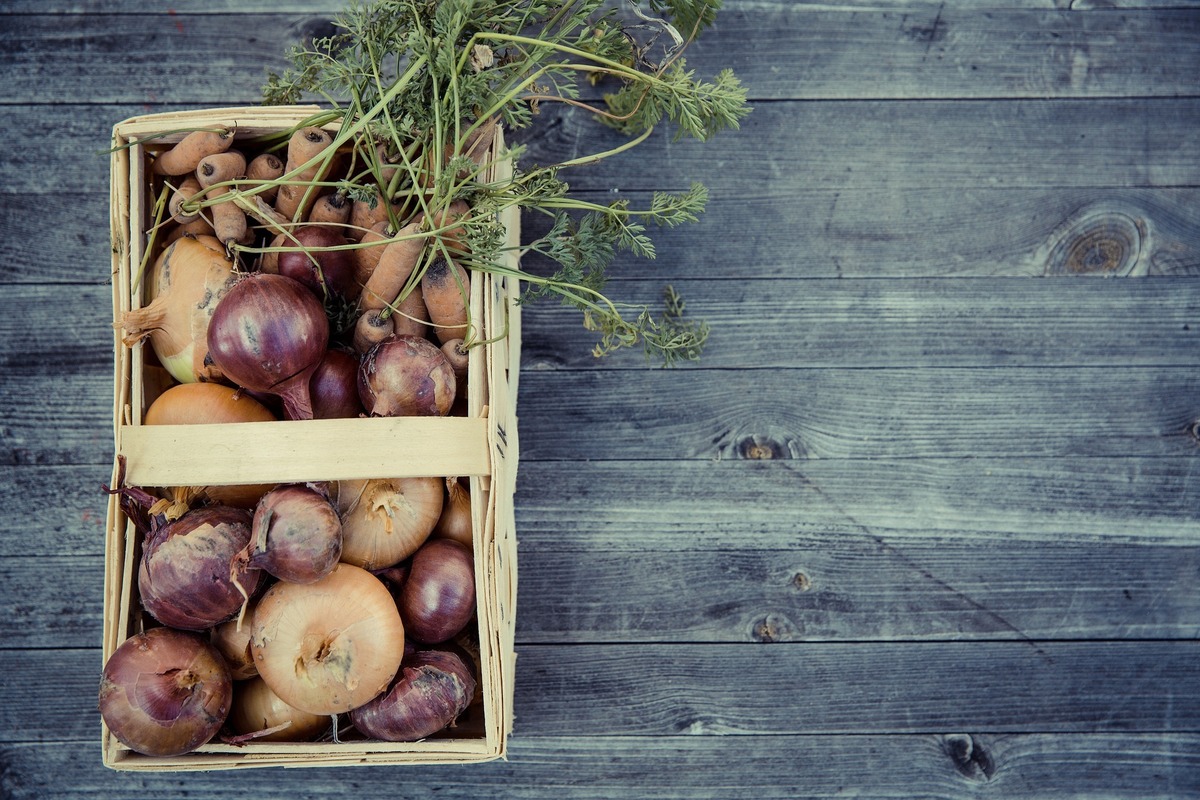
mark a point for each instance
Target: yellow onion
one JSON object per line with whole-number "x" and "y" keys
{"x": 330, "y": 646}
{"x": 232, "y": 640}
{"x": 455, "y": 521}
{"x": 187, "y": 281}
{"x": 210, "y": 403}
{"x": 384, "y": 521}
{"x": 257, "y": 708}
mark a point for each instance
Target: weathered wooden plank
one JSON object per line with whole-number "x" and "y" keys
{"x": 330, "y": 7}
{"x": 967, "y": 144}
{"x": 853, "y": 413}
{"x": 864, "y": 232}
{"x": 54, "y": 510}
{"x": 812, "y": 688}
{"x": 580, "y": 584}
{"x": 808, "y": 323}
{"x": 783, "y": 147}
{"x": 779, "y": 51}
{"x": 952, "y": 766}
{"x": 707, "y": 414}
{"x": 747, "y": 505}
{"x": 894, "y": 323}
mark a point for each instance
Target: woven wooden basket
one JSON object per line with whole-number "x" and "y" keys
{"x": 481, "y": 445}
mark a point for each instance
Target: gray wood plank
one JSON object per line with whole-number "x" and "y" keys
{"x": 779, "y": 51}
{"x": 579, "y": 585}
{"x": 952, "y": 766}
{"x": 812, "y": 688}
{"x": 851, "y": 413}
{"x": 191, "y": 7}
{"x": 899, "y": 323}
{"x": 864, "y": 232}
{"x": 783, "y": 147}
{"x": 749, "y": 505}
{"x": 790, "y": 414}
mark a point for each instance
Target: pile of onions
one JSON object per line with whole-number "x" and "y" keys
{"x": 296, "y": 535}
{"x": 189, "y": 576}
{"x": 186, "y": 285}
{"x": 384, "y": 521}
{"x": 268, "y": 334}
{"x": 330, "y": 646}
{"x": 165, "y": 692}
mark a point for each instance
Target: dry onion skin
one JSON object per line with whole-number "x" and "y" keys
{"x": 165, "y": 692}
{"x": 384, "y": 521}
{"x": 189, "y": 278}
{"x": 232, "y": 640}
{"x": 455, "y": 521}
{"x": 188, "y": 576}
{"x": 328, "y": 647}
{"x": 257, "y": 708}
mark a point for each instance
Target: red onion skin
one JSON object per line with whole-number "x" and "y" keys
{"x": 334, "y": 387}
{"x": 337, "y": 267}
{"x": 165, "y": 692}
{"x": 432, "y": 688}
{"x": 406, "y": 376}
{"x": 438, "y": 597}
{"x": 297, "y": 535}
{"x": 268, "y": 334}
{"x": 184, "y": 576}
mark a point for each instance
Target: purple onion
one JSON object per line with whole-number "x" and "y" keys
{"x": 431, "y": 690}
{"x": 406, "y": 376}
{"x": 268, "y": 334}
{"x": 190, "y": 571}
{"x": 319, "y": 267}
{"x": 438, "y": 597}
{"x": 165, "y": 692}
{"x": 334, "y": 387}
{"x": 297, "y": 535}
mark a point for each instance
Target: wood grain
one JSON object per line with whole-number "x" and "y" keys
{"x": 867, "y": 232}
{"x": 939, "y": 766}
{"x": 839, "y": 688}
{"x": 799, "y": 51}
{"x": 933, "y": 144}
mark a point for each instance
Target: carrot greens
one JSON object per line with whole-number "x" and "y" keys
{"x": 419, "y": 85}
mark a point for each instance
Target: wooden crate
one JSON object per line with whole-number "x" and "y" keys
{"x": 481, "y": 445}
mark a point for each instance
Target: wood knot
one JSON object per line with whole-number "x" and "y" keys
{"x": 760, "y": 448}
{"x": 801, "y": 582}
{"x": 1098, "y": 242}
{"x": 970, "y": 758}
{"x": 773, "y": 628}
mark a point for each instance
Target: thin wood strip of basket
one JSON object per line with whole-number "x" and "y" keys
{"x": 321, "y": 450}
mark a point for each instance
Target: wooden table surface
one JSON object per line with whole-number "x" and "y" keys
{"x": 922, "y": 523}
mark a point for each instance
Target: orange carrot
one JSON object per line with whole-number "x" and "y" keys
{"x": 445, "y": 287}
{"x": 365, "y": 258}
{"x": 396, "y": 264}
{"x": 229, "y": 221}
{"x": 263, "y": 169}
{"x": 364, "y": 216}
{"x": 411, "y": 316}
{"x": 184, "y": 156}
{"x": 331, "y": 208}
{"x": 371, "y": 329}
{"x": 197, "y": 227}
{"x": 305, "y": 145}
{"x": 456, "y": 353}
{"x": 184, "y": 191}
{"x": 453, "y": 238}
